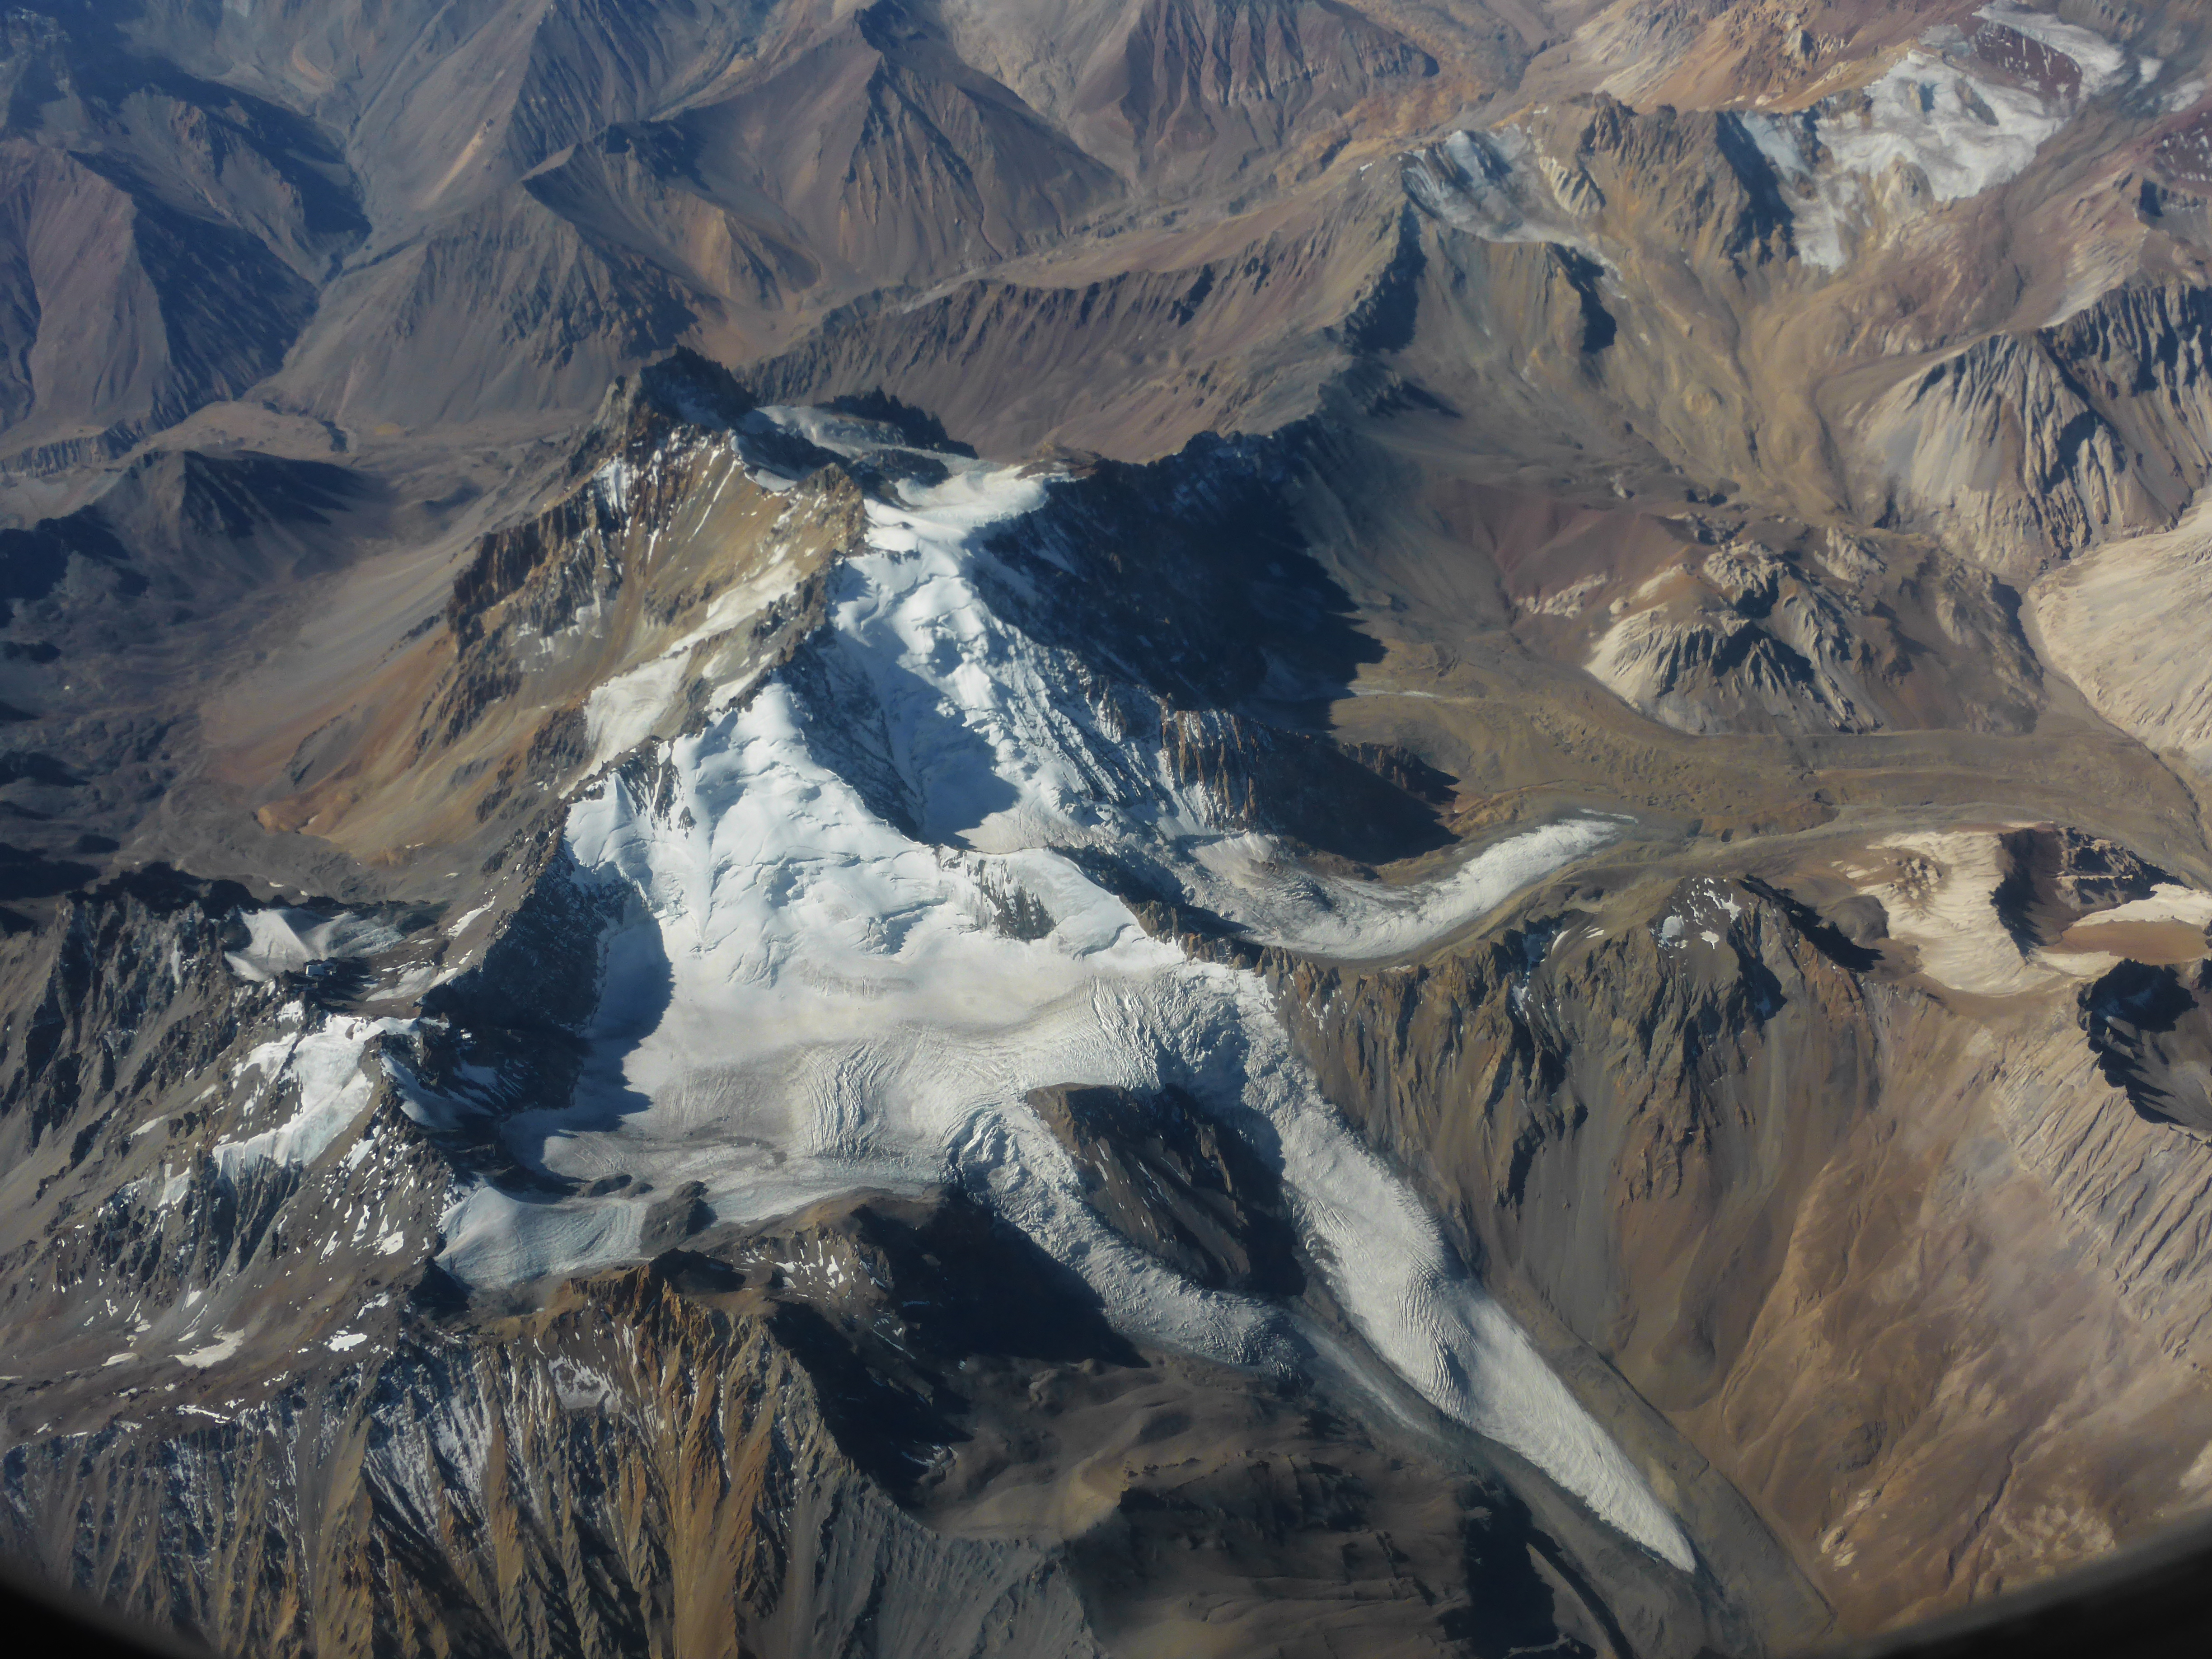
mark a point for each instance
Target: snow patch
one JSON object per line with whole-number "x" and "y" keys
{"x": 1500, "y": 187}
{"x": 333, "y": 1091}
{"x": 224, "y": 1346}
{"x": 1963, "y": 132}
{"x": 579, "y": 1387}
{"x": 1966, "y": 134}
{"x": 1939, "y": 892}
{"x": 1278, "y": 903}
{"x": 2184, "y": 96}
{"x": 282, "y": 940}
{"x": 2168, "y": 901}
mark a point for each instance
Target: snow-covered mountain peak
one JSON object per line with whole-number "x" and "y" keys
{"x": 854, "y": 933}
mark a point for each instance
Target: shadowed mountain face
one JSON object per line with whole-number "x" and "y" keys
{"x": 1146, "y": 827}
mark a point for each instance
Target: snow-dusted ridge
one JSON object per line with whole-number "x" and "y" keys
{"x": 1939, "y": 111}
{"x": 856, "y": 932}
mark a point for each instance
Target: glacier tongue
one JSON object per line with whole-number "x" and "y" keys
{"x": 805, "y": 997}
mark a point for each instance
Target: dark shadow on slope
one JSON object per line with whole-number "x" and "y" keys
{"x": 228, "y": 213}
{"x": 696, "y": 389}
{"x": 991, "y": 1290}
{"x": 1187, "y": 576}
{"x": 917, "y": 426}
{"x": 2151, "y": 1031}
{"x": 947, "y": 772}
{"x": 1584, "y": 274}
{"x": 34, "y": 561}
{"x": 563, "y": 993}
{"x": 30, "y": 766}
{"x": 888, "y": 1429}
{"x": 1826, "y": 937}
{"x": 1190, "y": 577}
{"x": 1385, "y": 320}
{"x": 108, "y": 73}
{"x": 1768, "y": 220}
{"x": 935, "y": 789}
{"x": 1184, "y": 1189}
{"x": 1512, "y": 1608}
{"x": 946, "y": 1285}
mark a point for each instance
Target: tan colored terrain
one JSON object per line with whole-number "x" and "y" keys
{"x": 1775, "y": 433}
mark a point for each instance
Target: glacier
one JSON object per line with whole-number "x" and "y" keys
{"x": 856, "y": 929}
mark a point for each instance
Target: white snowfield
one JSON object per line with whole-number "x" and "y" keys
{"x": 1938, "y": 889}
{"x": 1965, "y": 134}
{"x": 333, "y": 1091}
{"x": 282, "y": 939}
{"x": 1962, "y": 131}
{"x": 1278, "y": 902}
{"x": 1935, "y": 112}
{"x": 853, "y": 946}
{"x": 1496, "y": 186}
{"x": 2168, "y": 901}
